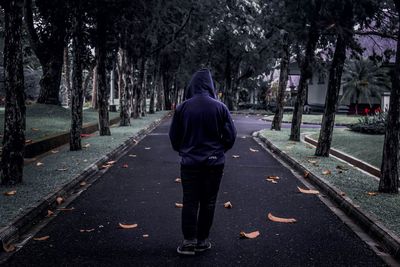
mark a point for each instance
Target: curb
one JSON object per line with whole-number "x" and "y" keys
{"x": 311, "y": 123}
{"x": 36, "y": 213}
{"x": 48, "y": 143}
{"x": 354, "y": 161}
{"x": 370, "y": 224}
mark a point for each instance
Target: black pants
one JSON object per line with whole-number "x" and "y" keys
{"x": 200, "y": 189}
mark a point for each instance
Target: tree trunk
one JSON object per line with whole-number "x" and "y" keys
{"x": 144, "y": 91}
{"x": 123, "y": 88}
{"x": 50, "y": 81}
{"x": 77, "y": 90}
{"x": 228, "y": 96}
{"x": 102, "y": 91}
{"x": 283, "y": 78}
{"x": 389, "y": 182}
{"x": 153, "y": 88}
{"x": 140, "y": 88}
{"x": 12, "y": 160}
{"x": 67, "y": 72}
{"x": 305, "y": 75}
{"x": 167, "y": 90}
{"x": 331, "y": 100}
{"x": 95, "y": 102}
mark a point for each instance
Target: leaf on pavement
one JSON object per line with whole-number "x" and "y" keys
{"x": 308, "y": 191}
{"x": 178, "y": 180}
{"x": 9, "y": 248}
{"x": 272, "y": 181}
{"x": 313, "y": 161}
{"x": 83, "y": 183}
{"x": 327, "y": 172}
{"x": 235, "y": 156}
{"x": 87, "y": 135}
{"x": 253, "y": 150}
{"x": 54, "y": 151}
{"x": 249, "y": 235}
{"x": 62, "y": 169}
{"x": 59, "y": 200}
{"x": 10, "y": 193}
{"x": 178, "y": 205}
{"x": 106, "y": 166}
{"x": 43, "y": 238}
{"x": 49, "y": 213}
{"x": 28, "y": 141}
{"x": 132, "y": 156}
{"x": 125, "y": 166}
{"x": 39, "y": 163}
{"x": 273, "y": 177}
{"x": 306, "y": 174}
{"x": 86, "y": 145}
{"x": 111, "y": 162}
{"x": 34, "y": 129}
{"x": 128, "y": 226}
{"x": 228, "y": 205}
{"x": 86, "y": 230}
{"x": 280, "y": 220}
{"x": 372, "y": 194}
{"x": 145, "y": 235}
{"x": 147, "y": 148}
{"x": 66, "y": 209}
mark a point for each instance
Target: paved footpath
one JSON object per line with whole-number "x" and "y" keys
{"x": 145, "y": 193}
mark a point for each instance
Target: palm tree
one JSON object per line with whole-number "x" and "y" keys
{"x": 364, "y": 78}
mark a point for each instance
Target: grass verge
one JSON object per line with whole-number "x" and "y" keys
{"x": 316, "y": 119}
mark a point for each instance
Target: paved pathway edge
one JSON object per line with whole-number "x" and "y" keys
{"x": 371, "y": 225}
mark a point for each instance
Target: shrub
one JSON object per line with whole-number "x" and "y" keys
{"x": 373, "y": 124}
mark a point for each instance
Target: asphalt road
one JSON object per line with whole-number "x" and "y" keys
{"x": 145, "y": 193}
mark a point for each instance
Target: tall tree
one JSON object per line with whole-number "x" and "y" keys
{"x": 389, "y": 182}
{"x": 12, "y": 158}
{"x": 47, "y": 34}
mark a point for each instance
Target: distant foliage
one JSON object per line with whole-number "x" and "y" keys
{"x": 373, "y": 124}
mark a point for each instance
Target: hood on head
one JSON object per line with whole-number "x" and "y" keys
{"x": 201, "y": 83}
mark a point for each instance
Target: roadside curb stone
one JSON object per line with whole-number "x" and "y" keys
{"x": 366, "y": 220}
{"x": 14, "y": 230}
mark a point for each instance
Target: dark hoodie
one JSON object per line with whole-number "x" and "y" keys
{"x": 202, "y": 128}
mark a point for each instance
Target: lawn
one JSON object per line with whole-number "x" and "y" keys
{"x": 47, "y": 120}
{"x": 316, "y": 119}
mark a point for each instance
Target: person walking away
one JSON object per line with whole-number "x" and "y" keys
{"x": 202, "y": 131}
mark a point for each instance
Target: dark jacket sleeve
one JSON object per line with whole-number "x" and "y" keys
{"x": 175, "y": 132}
{"x": 228, "y": 131}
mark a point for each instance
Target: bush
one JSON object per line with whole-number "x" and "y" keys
{"x": 373, "y": 124}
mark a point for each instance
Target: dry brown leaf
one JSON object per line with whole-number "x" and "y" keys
{"x": 9, "y": 248}
{"x": 178, "y": 205}
{"x": 253, "y": 150}
{"x": 34, "y": 129}
{"x": 145, "y": 235}
{"x": 105, "y": 166}
{"x": 86, "y": 230}
{"x": 125, "y": 166}
{"x": 327, "y": 172}
{"x": 86, "y": 145}
{"x": 306, "y": 174}
{"x": 228, "y": 205}
{"x": 308, "y": 191}
{"x": 272, "y": 181}
{"x": 235, "y": 156}
{"x": 372, "y": 194}
{"x": 10, "y": 193}
{"x": 49, "y": 213}
{"x": 273, "y": 177}
{"x": 132, "y": 156}
{"x": 249, "y": 235}
{"x": 28, "y": 141}
{"x": 39, "y": 163}
{"x": 59, "y": 200}
{"x": 111, "y": 162}
{"x": 280, "y": 220}
{"x": 83, "y": 183}
{"x": 43, "y": 238}
{"x": 66, "y": 209}
{"x": 147, "y": 148}
{"x": 342, "y": 194}
{"x": 178, "y": 180}
{"x": 54, "y": 151}
{"x": 128, "y": 226}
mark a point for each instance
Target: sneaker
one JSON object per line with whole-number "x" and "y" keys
{"x": 202, "y": 245}
{"x": 187, "y": 248}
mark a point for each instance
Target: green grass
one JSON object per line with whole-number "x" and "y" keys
{"x": 316, "y": 119}
{"x": 354, "y": 183}
{"x": 47, "y": 120}
{"x": 366, "y": 147}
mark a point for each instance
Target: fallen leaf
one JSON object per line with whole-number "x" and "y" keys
{"x": 327, "y": 172}
{"x": 249, "y": 235}
{"x": 59, "y": 200}
{"x": 281, "y": 220}
{"x": 34, "y": 129}
{"x": 43, "y": 238}
{"x": 87, "y": 135}
{"x": 178, "y": 205}
{"x": 228, "y": 205}
{"x": 8, "y": 248}
{"x": 62, "y": 169}
{"x": 306, "y": 174}
{"x": 312, "y": 161}
{"x": 342, "y": 194}
{"x": 128, "y": 226}
{"x": 83, "y": 183}
{"x": 86, "y": 145}
{"x": 54, "y": 151}
{"x": 86, "y": 230}
{"x": 145, "y": 235}
{"x": 125, "y": 166}
{"x": 66, "y": 209}
{"x": 253, "y": 150}
{"x": 111, "y": 162}
{"x": 273, "y": 177}
{"x": 49, "y": 213}
{"x": 132, "y": 156}
{"x": 28, "y": 141}
{"x": 272, "y": 181}
{"x": 235, "y": 156}
{"x": 39, "y": 163}
{"x": 372, "y": 193}
{"x": 308, "y": 191}
{"x": 147, "y": 148}
{"x": 10, "y": 193}
{"x": 178, "y": 180}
